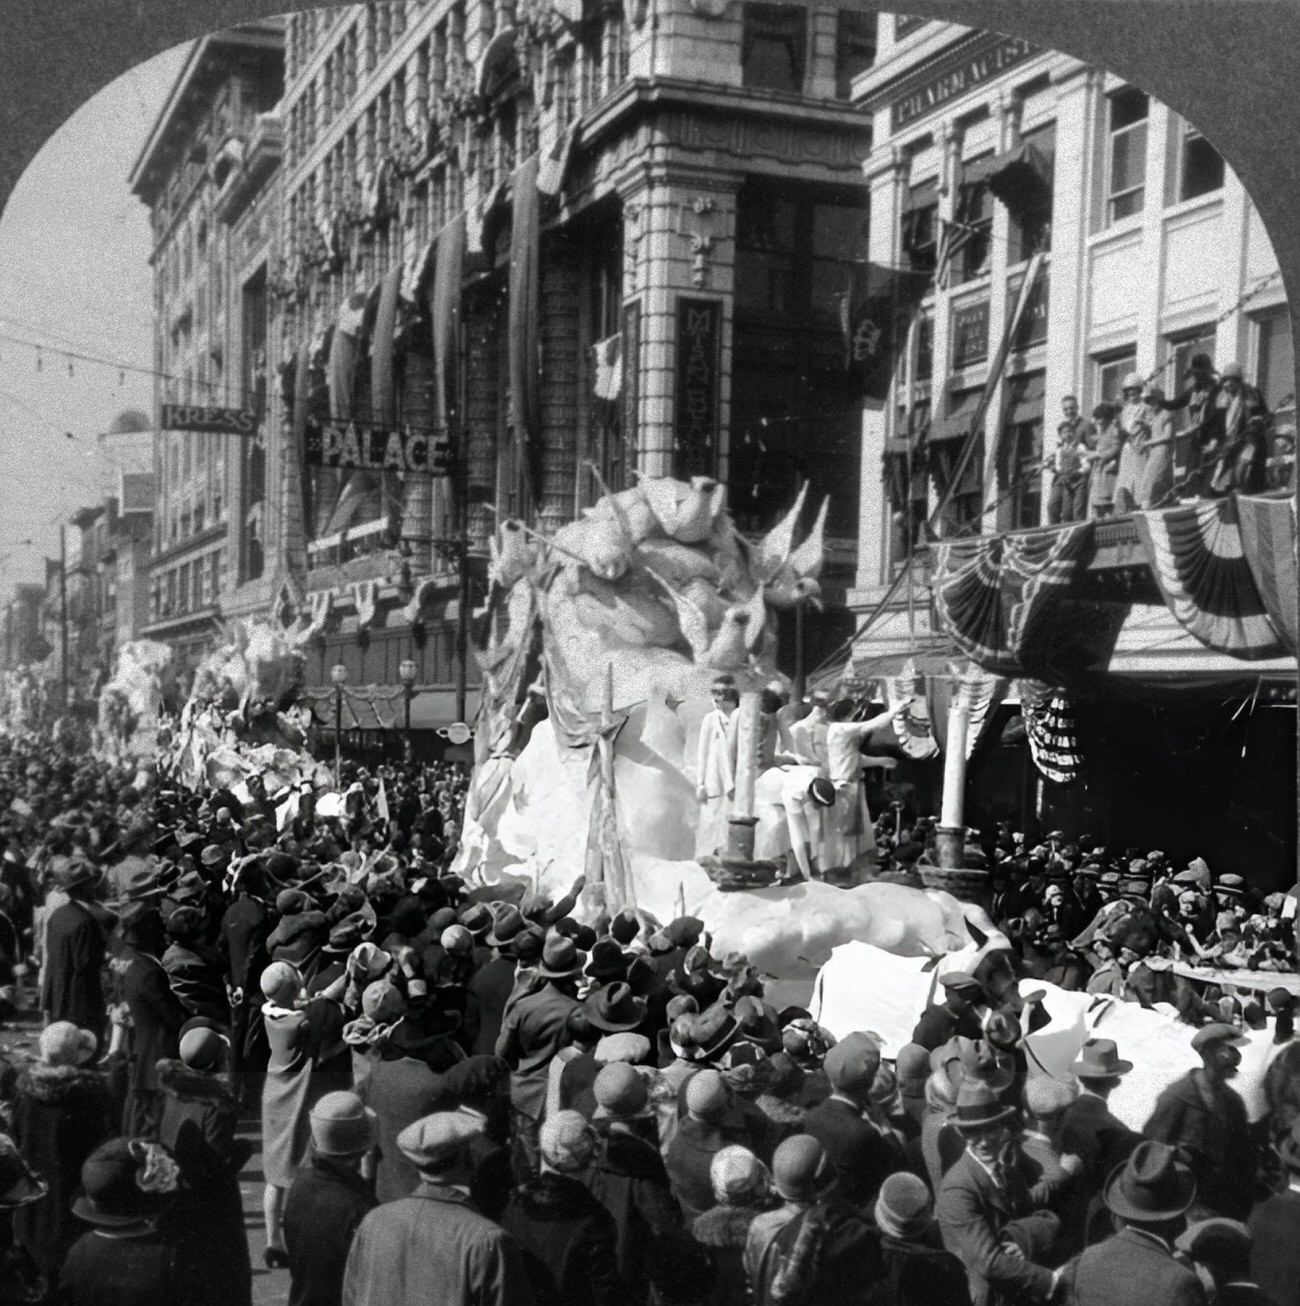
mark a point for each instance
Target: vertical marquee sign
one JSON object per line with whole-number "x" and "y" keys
{"x": 631, "y": 382}
{"x": 699, "y": 351}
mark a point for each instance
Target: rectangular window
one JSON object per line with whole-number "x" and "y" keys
{"x": 921, "y": 226}
{"x": 973, "y": 231}
{"x": 1108, "y": 374}
{"x": 774, "y": 47}
{"x": 1033, "y": 325}
{"x": 765, "y": 253}
{"x": 1200, "y": 165}
{"x": 1020, "y": 482}
{"x": 925, "y": 348}
{"x": 970, "y": 334}
{"x": 1030, "y": 220}
{"x": 855, "y": 48}
{"x": 1127, "y": 150}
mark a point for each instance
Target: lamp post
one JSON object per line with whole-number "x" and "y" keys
{"x": 406, "y": 671}
{"x": 339, "y": 675}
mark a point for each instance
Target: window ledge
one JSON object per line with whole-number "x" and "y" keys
{"x": 1182, "y": 208}
{"x": 1118, "y": 231}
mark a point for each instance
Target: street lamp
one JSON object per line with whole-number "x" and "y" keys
{"x": 406, "y": 671}
{"x": 339, "y": 675}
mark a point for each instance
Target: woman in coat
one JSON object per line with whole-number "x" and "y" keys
{"x": 156, "y": 1016}
{"x": 741, "y": 1187}
{"x": 199, "y": 1118}
{"x": 919, "y": 1270}
{"x": 567, "y": 1237}
{"x": 127, "y": 1257}
{"x": 62, "y": 1112}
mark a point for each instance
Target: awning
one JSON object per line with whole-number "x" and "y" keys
{"x": 980, "y": 169}
{"x": 956, "y": 424}
{"x": 1026, "y": 395}
{"x": 920, "y": 197}
{"x": 382, "y": 707}
{"x": 498, "y": 65}
{"x": 1018, "y": 178}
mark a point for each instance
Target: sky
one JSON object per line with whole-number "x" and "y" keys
{"x": 74, "y": 276}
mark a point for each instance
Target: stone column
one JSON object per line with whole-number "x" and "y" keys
{"x": 951, "y": 830}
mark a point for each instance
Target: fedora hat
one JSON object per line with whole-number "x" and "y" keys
{"x": 560, "y": 959}
{"x": 141, "y": 883}
{"x": 1099, "y": 1059}
{"x": 477, "y": 919}
{"x": 980, "y": 1062}
{"x": 509, "y": 922}
{"x": 614, "y": 1009}
{"x": 1151, "y": 1186}
{"x": 978, "y": 1107}
{"x": 607, "y": 961}
{"x": 73, "y": 872}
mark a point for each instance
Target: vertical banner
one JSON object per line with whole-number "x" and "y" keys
{"x": 699, "y": 352}
{"x": 383, "y": 396}
{"x": 523, "y": 335}
{"x": 631, "y": 383}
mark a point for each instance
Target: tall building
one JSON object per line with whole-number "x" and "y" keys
{"x": 992, "y": 160}
{"x": 555, "y": 246}
{"x": 208, "y": 334}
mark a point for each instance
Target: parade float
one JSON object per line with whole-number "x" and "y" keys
{"x": 132, "y": 703}
{"x": 603, "y": 644}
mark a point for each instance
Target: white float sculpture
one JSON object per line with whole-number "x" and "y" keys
{"x": 618, "y": 624}
{"x": 131, "y": 704}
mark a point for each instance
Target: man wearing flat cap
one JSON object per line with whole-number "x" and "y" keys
{"x": 1204, "y": 1118}
{"x": 434, "y": 1245}
{"x": 955, "y": 1016}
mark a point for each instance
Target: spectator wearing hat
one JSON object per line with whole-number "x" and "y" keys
{"x": 128, "y": 1256}
{"x": 402, "y": 1088}
{"x": 1275, "y": 1255}
{"x": 629, "y": 1178}
{"x": 918, "y": 1269}
{"x": 156, "y": 1016}
{"x": 241, "y": 936}
{"x": 801, "y": 1173}
{"x": 861, "y": 1150}
{"x": 1107, "y": 976}
{"x": 480, "y": 1086}
{"x": 742, "y": 1185}
{"x": 532, "y": 1032}
{"x": 20, "y": 1189}
{"x": 1148, "y": 1198}
{"x": 991, "y": 1185}
{"x": 199, "y": 1119}
{"x": 491, "y": 984}
{"x": 328, "y": 1199}
{"x": 296, "y": 1032}
{"x": 568, "y": 1239}
{"x": 827, "y": 1252}
{"x": 435, "y": 1240}
{"x": 61, "y": 1112}
{"x": 195, "y": 969}
{"x": 1089, "y": 1130}
{"x": 74, "y": 951}
{"x": 1203, "y": 1117}
{"x": 609, "y": 1010}
{"x": 1220, "y": 1252}
{"x": 957, "y": 1014}
{"x": 700, "y": 1137}
{"x": 941, "y": 1142}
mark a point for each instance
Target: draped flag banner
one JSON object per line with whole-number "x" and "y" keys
{"x": 1200, "y": 566}
{"x": 913, "y": 729}
{"x": 1049, "y": 725}
{"x": 1268, "y": 539}
{"x": 1000, "y": 597}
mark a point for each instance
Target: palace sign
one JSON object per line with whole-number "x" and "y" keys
{"x": 377, "y": 450}
{"x": 199, "y": 417}
{"x": 957, "y": 79}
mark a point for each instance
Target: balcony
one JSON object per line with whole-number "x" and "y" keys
{"x": 248, "y": 160}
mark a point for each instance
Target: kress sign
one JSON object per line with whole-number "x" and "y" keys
{"x": 375, "y": 449}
